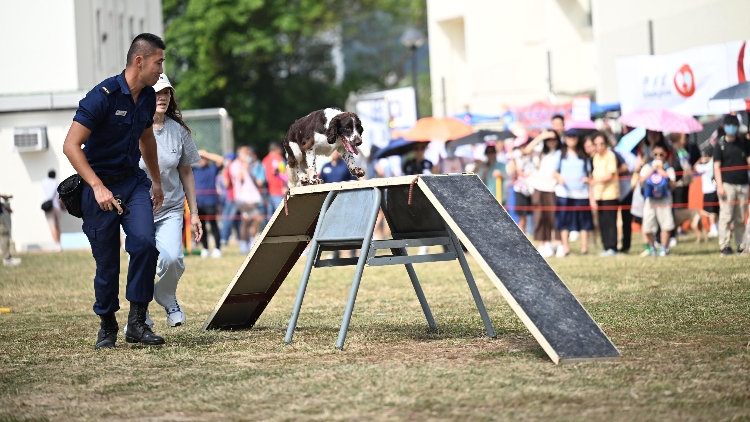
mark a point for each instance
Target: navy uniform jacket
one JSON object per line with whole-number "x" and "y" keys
{"x": 116, "y": 124}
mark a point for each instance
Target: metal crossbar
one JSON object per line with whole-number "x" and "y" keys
{"x": 331, "y": 236}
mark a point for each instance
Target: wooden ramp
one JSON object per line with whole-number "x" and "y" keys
{"x": 535, "y": 293}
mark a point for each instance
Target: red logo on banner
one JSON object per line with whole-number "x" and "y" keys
{"x": 684, "y": 81}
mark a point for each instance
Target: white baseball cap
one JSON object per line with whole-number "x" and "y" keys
{"x": 162, "y": 83}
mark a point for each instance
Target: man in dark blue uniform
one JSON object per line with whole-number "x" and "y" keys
{"x": 113, "y": 123}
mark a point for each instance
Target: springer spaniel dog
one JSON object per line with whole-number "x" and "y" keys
{"x": 320, "y": 133}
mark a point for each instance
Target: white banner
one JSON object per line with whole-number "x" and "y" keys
{"x": 383, "y": 111}
{"x": 684, "y": 81}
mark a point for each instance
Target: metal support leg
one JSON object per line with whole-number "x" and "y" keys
{"x": 417, "y": 288}
{"x": 473, "y": 286}
{"x": 311, "y": 256}
{"x": 366, "y": 242}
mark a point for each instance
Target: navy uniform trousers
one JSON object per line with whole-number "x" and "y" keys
{"x": 103, "y": 230}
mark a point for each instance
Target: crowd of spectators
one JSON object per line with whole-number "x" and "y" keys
{"x": 570, "y": 183}
{"x": 574, "y": 183}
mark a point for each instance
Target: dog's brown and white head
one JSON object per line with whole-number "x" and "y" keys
{"x": 347, "y": 127}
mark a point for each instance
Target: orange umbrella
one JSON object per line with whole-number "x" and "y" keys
{"x": 440, "y": 128}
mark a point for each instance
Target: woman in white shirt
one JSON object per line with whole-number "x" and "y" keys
{"x": 705, "y": 168}
{"x": 177, "y": 153}
{"x": 543, "y": 181}
{"x": 49, "y": 187}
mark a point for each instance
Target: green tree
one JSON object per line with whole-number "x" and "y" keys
{"x": 269, "y": 62}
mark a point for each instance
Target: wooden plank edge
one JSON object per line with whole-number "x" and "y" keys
{"x": 491, "y": 274}
{"x": 258, "y": 242}
{"x": 571, "y": 361}
{"x": 359, "y": 184}
{"x": 286, "y": 239}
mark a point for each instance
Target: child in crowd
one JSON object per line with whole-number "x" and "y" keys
{"x": 545, "y": 157}
{"x": 658, "y": 180}
{"x": 520, "y": 168}
{"x": 572, "y": 192}
{"x": 705, "y": 168}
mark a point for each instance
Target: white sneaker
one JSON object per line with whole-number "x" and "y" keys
{"x": 546, "y": 251}
{"x": 216, "y": 253}
{"x": 608, "y": 253}
{"x": 205, "y": 253}
{"x": 149, "y": 322}
{"x": 561, "y": 252}
{"x": 11, "y": 262}
{"x": 56, "y": 248}
{"x": 244, "y": 247}
{"x": 175, "y": 316}
{"x": 713, "y": 233}
{"x": 574, "y": 235}
{"x": 672, "y": 242}
{"x": 423, "y": 250}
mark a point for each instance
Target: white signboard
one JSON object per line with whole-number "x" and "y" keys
{"x": 383, "y": 111}
{"x": 581, "y": 109}
{"x": 684, "y": 81}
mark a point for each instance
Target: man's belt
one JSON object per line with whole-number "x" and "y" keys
{"x": 111, "y": 179}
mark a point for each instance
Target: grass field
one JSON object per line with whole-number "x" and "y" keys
{"x": 682, "y": 324}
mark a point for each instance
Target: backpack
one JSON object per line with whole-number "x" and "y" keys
{"x": 656, "y": 186}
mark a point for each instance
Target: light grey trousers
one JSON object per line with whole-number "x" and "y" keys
{"x": 732, "y": 210}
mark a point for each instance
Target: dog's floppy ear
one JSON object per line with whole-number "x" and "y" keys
{"x": 358, "y": 124}
{"x": 333, "y": 129}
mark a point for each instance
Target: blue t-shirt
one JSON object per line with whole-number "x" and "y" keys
{"x": 205, "y": 185}
{"x": 573, "y": 169}
{"x": 338, "y": 173}
{"x": 116, "y": 124}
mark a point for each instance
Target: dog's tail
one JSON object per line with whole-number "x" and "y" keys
{"x": 290, "y": 160}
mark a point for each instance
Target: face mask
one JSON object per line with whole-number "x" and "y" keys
{"x": 730, "y": 129}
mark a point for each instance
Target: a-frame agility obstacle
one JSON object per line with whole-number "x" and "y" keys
{"x": 449, "y": 210}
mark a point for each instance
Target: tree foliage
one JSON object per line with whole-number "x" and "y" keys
{"x": 269, "y": 62}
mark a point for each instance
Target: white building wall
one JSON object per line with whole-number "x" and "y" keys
{"x": 38, "y": 48}
{"x": 22, "y": 175}
{"x": 105, "y": 29}
{"x": 621, "y": 29}
{"x": 493, "y": 53}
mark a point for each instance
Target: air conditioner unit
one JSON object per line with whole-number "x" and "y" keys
{"x": 29, "y": 139}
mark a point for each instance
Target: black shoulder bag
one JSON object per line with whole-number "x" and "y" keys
{"x": 70, "y": 191}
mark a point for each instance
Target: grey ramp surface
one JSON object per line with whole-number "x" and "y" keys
{"x": 543, "y": 297}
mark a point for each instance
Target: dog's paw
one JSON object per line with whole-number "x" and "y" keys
{"x": 358, "y": 172}
{"x": 315, "y": 181}
{"x": 303, "y": 180}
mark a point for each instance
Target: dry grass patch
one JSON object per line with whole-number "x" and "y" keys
{"x": 682, "y": 324}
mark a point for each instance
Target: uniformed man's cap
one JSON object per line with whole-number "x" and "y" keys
{"x": 162, "y": 83}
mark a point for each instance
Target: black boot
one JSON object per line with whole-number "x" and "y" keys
{"x": 108, "y": 332}
{"x": 138, "y": 331}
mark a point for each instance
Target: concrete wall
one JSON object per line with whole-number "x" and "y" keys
{"x": 22, "y": 175}
{"x": 621, "y": 29}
